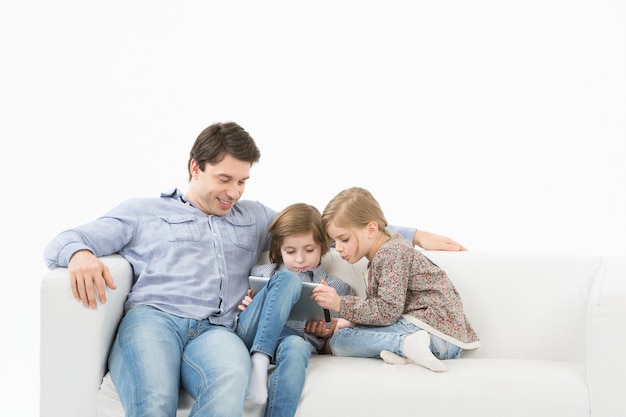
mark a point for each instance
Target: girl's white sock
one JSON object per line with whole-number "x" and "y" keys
{"x": 417, "y": 348}
{"x": 393, "y": 359}
{"x": 257, "y": 386}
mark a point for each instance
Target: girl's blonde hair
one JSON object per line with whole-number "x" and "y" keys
{"x": 296, "y": 219}
{"x": 354, "y": 208}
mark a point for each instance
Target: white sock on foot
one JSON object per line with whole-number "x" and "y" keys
{"x": 393, "y": 359}
{"x": 417, "y": 347}
{"x": 257, "y": 386}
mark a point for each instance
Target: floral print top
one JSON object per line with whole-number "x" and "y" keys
{"x": 404, "y": 282}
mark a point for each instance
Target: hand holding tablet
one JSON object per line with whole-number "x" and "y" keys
{"x": 305, "y": 309}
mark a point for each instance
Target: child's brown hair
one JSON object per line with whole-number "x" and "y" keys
{"x": 297, "y": 219}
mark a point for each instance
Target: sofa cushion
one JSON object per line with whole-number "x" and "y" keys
{"x": 470, "y": 387}
{"x": 526, "y": 306}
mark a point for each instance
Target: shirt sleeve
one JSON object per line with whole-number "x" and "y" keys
{"x": 406, "y": 232}
{"x": 104, "y": 236}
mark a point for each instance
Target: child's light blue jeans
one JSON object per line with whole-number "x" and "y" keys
{"x": 369, "y": 341}
{"x": 262, "y": 328}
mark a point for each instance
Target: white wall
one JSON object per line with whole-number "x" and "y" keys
{"x": 499, "y": 123}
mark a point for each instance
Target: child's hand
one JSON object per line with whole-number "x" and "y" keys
{"x": 318, "y": 328}
{"x": 327, "y": 297}
{"x": 246, "y": 301}
{"x": 342, "y": 323}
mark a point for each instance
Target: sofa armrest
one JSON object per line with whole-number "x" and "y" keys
{"x": 607, "y": 340}
{"x": 75, "y": 341}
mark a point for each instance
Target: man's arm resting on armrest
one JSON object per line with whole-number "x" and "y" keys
{"x": 88, "y": 278}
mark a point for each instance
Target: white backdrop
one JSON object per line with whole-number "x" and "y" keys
{"x": 499, "y": 123}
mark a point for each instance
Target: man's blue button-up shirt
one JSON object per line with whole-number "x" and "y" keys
{"x": 184, "y": 262}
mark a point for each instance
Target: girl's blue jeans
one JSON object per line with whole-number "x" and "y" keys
{"x": 262, "y": 328}
{"x": 369, "y": 341}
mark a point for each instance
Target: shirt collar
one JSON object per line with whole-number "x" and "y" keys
{"x": 315, "y": 275}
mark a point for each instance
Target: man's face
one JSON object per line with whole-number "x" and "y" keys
{"x": 219, "y": 186}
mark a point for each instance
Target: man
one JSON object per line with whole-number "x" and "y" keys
{"x": 191, "y": 255}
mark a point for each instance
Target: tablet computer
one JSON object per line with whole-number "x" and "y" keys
{"x": 305, "y": 308}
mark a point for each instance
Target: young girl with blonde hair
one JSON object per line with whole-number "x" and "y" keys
{"x": 412, "y": 312}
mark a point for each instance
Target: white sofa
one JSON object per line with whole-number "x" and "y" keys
{"x": 552, "y": 329}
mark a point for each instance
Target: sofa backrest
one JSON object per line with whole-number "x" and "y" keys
{"x": 520, "y": 305}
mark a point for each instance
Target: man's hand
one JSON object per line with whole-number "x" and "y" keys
{"x": 431, "y": 241}
{"x": 88, "y": 277}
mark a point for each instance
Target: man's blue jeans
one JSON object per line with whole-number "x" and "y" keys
{"x": 155, "y": 353}
{"x": 262, "y": 328}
